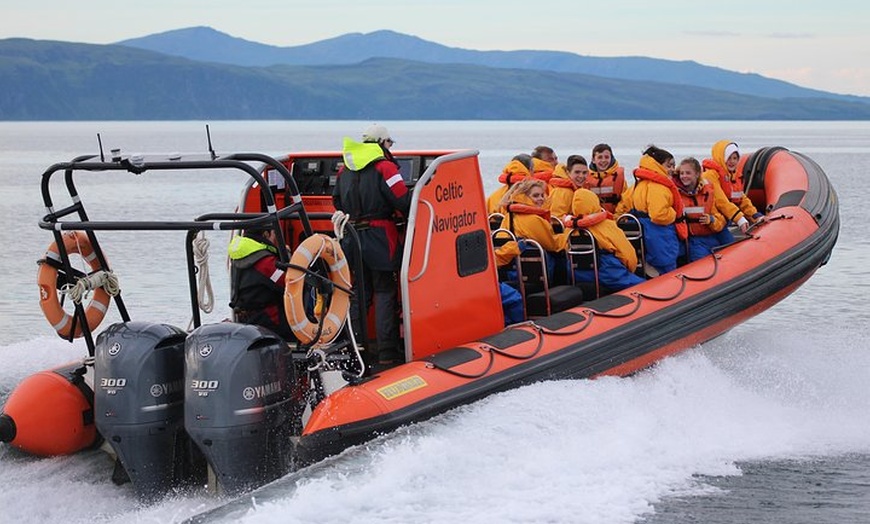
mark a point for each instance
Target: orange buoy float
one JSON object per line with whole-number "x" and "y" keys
{"x": 316, "y": 247}
{"x": 50, "y": 413}
{"x": 60, "y": 320}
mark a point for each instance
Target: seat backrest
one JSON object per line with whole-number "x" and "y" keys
{"x": 534, "y": 281}
{"x": 533, "y": 267}
{"x": 495, "y": 221}
{"x": 542, "y": 298}
{"x": 633, "y": 230}
{"x": 500, "y": 238}
{"x": 558, "y": 227}
{"x": 511, "y": 273}
{"x": 583, "y": 254}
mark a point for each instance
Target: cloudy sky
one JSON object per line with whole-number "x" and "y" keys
{"x": 823, "y": 45}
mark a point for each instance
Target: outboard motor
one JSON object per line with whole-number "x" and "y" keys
{"x": 241, "y": 403}
{"x": 138, "y": 395}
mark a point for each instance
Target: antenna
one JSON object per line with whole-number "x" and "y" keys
{"x": 100, "y": 142}
{"x": 210, "y": 148}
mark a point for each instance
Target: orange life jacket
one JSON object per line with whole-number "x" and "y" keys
{"x": 608, "y": 185}
{"x": 525, "y": 209}
{"x": 586, "y": 221}
{"x": 731, "y": 184}
{"x": 696, "y": 204}
{"x": 561, "y": 182}
{"x": 643, "y": 173}
{"x": 512, "y": 178}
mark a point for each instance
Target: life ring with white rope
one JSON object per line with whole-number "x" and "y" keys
{"x": 62, "y": 322}
{"x": 316, "y": 247}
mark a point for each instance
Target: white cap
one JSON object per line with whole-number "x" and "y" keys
{"x": 730, "y": 149}
{"x": 376, "y": 133}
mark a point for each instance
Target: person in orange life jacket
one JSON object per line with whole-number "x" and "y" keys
{"x": 544, "y": 161}
{"x": 526, "y": 217}
{"x": 617, "y": 258}
{"x": 519, "y": 168}
{"x": 607, "y": 179}
{"x": 566, "y": 179}
{"x": 657, "y": 204}
{"x": 546, "y": 154}
{"x": 370, "y": 190}
{"x": 721, "y": 171}
{"x": 699, "y": 207}
{"x": 257, "y": 282}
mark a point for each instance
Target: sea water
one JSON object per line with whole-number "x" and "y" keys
{"x": 768, "y": 423}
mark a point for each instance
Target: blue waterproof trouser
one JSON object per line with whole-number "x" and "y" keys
{"x": 611, "y": 273}
{"x": 701, "y": 246}
{"x": 511, "y": 304}
{"x": 724, "y": 237}
{"x": 661, "y": 244}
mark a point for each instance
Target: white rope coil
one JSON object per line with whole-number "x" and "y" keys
{"x": 205, "y": 295}
{"x": 339, "y": 221}
{"x": 104, "y": 279}
{"x": 204, "y": 291}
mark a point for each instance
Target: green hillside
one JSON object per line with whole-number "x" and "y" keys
{"x": 44, "y": 80}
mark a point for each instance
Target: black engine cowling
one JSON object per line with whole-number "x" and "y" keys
{"x": 241, "y": 403}
{"x": 138, "y": 396}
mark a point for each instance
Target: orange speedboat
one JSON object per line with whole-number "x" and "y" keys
{"x": 238, "y": 401}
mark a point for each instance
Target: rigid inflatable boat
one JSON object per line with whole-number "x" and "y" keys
{"x": 236, "y": 405}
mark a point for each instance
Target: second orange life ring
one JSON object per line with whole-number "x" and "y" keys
{"x": 316, "y": 247}
{"x": 60, "y": 320}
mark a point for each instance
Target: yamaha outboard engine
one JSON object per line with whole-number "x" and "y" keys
{"x": 241, "y": 403}
{"x": 138, "y": 395}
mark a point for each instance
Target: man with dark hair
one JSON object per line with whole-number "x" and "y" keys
{"x": 370, "y": 190}
{"x": 547, "y": 154}
{"x": 607, "y": 179}
{"x": 256, "y": 282}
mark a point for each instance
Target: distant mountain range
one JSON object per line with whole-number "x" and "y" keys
{"x": 199, "y": 73}
{"x": 208, "y": 45}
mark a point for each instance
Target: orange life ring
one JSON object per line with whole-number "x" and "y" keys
{"x": 60, "y": 320}
{"x": 315, "y": 247}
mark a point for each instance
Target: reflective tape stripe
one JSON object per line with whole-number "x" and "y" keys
{"x": 693, "y": 210}
{"x": 52, "y": 255}
{"x": 395, "y": 179}
{"x": 90, "y": 258}
{"x": 604, "y": 189}
{"x": 63, "y": 322}
{"x": 302, "y": 250}
{"x": 300, "y": 326}
{"x": 332, "y": 317}
{"x": 339, "y": 264}
{"x": 348, "y": 161}
{"x": 276, "y": 276}
{"x": 737, "y": 194}
{"x": 99, "y": 305}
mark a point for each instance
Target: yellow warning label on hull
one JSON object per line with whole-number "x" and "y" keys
{"x": 406, "y": 385}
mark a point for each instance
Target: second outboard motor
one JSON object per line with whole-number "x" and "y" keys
{"x": 240, "y": 403}
{"x": 138, "y": 395}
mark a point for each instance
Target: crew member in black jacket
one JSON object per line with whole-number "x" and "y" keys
{"x": 370, "y": 190}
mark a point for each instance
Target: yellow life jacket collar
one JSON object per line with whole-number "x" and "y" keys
{"x": 357, "y": 155}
